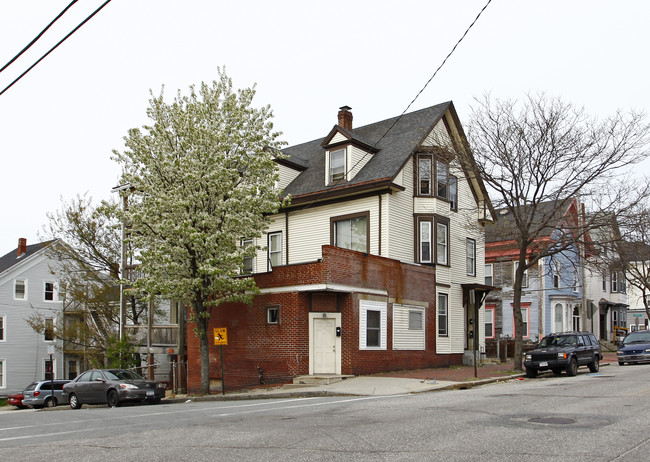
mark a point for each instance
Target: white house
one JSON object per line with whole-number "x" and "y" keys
{"x": 28, "y": 285}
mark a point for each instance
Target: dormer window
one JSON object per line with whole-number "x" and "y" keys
{"x": 337, "y": 166}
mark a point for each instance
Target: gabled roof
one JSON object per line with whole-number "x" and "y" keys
{"x": 11, "y": 259}
{"x": 393, "y": 148}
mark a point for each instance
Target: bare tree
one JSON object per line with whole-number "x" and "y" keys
{"x": 85, "y": 259}
{"x": 539, "y": 155}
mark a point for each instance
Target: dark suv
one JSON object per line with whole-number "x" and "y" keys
{"x": 564, "y": 351}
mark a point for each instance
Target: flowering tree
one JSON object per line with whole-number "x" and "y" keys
{"x": 202, "y": 177}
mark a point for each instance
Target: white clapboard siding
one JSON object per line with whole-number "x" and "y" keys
{"x": 358, "y": 159}
{"x": 398, "y": 242}
{"x": 286, "y": 176}
{"x": 403, "y": 337}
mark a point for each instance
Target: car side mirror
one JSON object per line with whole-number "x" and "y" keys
{"x": 99, "y": 379}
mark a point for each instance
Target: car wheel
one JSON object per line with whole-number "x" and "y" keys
{"x": 531, "y": 373}
{"x": 557, "y": 371}
{"x": 572, "y": 367}
{"x": 50, "y": 402}
{"x": 112, "y": 399}
{"x": 621, "y": 363}
{"x": 74, "y": 402}
{"x": 594, "y": 365}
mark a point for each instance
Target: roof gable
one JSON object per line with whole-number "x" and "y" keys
{"x": 12, "y": 259}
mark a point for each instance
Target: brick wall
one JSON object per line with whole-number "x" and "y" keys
{"x": 282, "y": 350}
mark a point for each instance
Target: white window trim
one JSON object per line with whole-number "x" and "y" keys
{"x": 442, "y": 258}
{"x": 489, "y": 273}
{"x": 55, "y": 292}
{"x": 3, "y": 373}
{"x": 271, "y": 252}
{"x": 370, "y": 305}
{"x": 470, "y": 271}
{"x": 427, "y": 224}
{"x": 26, "y": 290}
{"x": 490, "y": 313}
{"x": 4, "y": 328}
{"x": 330, "y": 175}
{"x": 446, "y": 334}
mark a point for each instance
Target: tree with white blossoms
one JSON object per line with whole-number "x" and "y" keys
{"x": 202, "y": 177}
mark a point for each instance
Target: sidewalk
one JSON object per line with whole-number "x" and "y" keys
{"x": 391, "y": 383}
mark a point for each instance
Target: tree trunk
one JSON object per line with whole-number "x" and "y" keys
{"x": 516, "y": 311}
{"x": 205, "y": 361}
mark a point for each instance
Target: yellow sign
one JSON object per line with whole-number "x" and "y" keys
{"x": 220, "y": 336}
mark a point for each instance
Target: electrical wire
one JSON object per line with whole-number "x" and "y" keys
{"x": 38, "y": 36}
{"x": 409, "y": 105}
{"x": 55, "y": 46}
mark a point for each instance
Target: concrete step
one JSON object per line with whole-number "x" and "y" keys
{"x": 320, "y": 379}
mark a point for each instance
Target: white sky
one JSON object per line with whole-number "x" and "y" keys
{"x": 59, "y": 123}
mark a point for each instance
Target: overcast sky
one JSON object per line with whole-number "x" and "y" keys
{"x": 59, "y": 123}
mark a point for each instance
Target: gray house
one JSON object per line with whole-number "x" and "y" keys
{"x": 27, "y": 284}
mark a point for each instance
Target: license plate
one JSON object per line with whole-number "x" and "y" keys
{"x": 150, "y": 393}
{"x": 543, "y": 364}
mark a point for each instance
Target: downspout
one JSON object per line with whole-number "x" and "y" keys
{"x": 379, "y": 237}
{"x": 286, "y": 229}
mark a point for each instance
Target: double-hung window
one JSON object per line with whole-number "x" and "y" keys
{"x": 337, "y": 166}
{"x": 443, "y": 315}
{"x": 248, "y": 260}
{"x": 20, "y": 289}
{"x": 275, "y": 249}
{"x": 351, "y": 232}
{"x": 470, "y": 257}
{"x": 2, "y": 328}
{"x": 442, "y": 180}
{"x": 442, "y": 242}
{"x": 425, "y": 242}
{"x": 556, "y": 274}
{"x": 489, "y": 321}
{"x": 424, "y": 175}
{"x": 489, "y": 274}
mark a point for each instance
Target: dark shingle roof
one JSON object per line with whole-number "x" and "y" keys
{"x": 394, "y": 150}
{"x": 11, "y": 259}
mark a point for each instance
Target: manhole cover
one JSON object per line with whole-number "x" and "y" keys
{"x": 552, "y": 420}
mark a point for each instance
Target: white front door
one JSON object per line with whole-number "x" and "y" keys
{"x": 324, "y": 345}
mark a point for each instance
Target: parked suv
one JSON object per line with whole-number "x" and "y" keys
{"x": 39, "y": 394}
{"x": 564, "y": 351}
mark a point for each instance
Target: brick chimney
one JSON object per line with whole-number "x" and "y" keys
{"x": 22, "y": 246}
{"x": 345, "y": 117}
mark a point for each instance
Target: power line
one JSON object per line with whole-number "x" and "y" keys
{"x": 55, "y": 46}
{"x": 38, "y": 36}
{"x": 436, "y": 72}
{"x": 411, "y": 103}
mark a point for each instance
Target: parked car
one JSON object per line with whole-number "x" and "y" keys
{"x": 565, "y": 351}
{"x": 16, "y": 400}
{"x": 635, "y": 348}
{"x": 112, "y": 387}
{"x": 39, "y": 394}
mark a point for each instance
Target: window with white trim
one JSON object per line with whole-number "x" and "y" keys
{"x": 48, "y": 368}
{"x": 425, "y": 242}
{"x": 470, "y": 256}
{"x": 275, "y": 249}
{"x": 2, "y": 373}
{"x": 556, "y": 274}
{"x": 373, "y": 318}
{"x": 3, "y": 320}
{"x": 442, "y": 243}
{"x": 443, "y": 317}
{"x": 424, "y": 175}
{"x": 489, "y": 274}
{"x": 20, "y": 289}
{"x": 442, "y": 179}
{"x": 273, "y": 315}
{"x": 524, "y": 317}
{"x": 248, "y": 261}
{"x": 524, "y": 280}
{"x": 337, "y": 165}
{"x": 50, "y": 292}
{"x": 489, "y": 321}
{"x": 576, "y": 280}
{"x": 48, "y": 333}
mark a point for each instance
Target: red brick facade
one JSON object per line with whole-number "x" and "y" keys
{"x": 282, "y": 350}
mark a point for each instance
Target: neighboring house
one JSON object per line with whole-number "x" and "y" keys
{"x": 606, "y": 297}
{"x": 376, "y": 265}
{"x": 27, "y": 284}
{"x": 637, "y": 258}
{"x": 551, "y": 298}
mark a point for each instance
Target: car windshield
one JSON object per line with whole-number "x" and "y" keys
{"x": 558, "y": 340}
{"x": 122, "y": 374}
{"x": 637, "y": 337}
